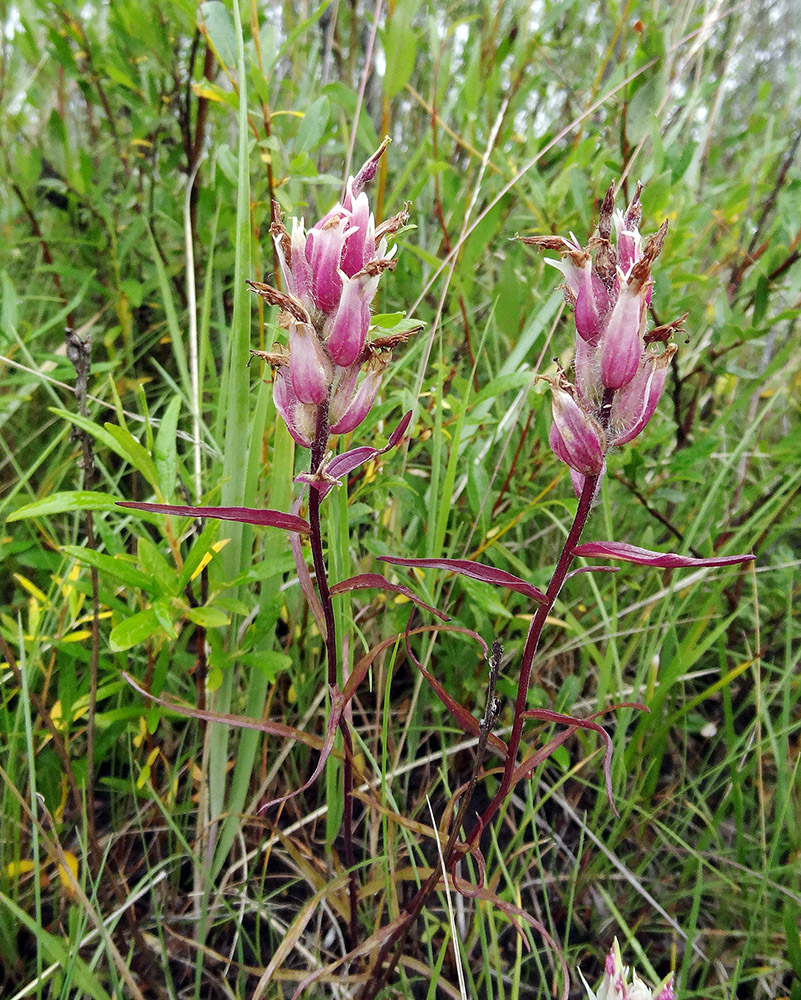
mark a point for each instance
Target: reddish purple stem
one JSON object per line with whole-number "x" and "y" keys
{"x": 321, "y": 573}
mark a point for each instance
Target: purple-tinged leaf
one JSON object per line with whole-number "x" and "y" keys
{"x": 472, "y": 890}
{"x": 359, "y": 672}
{"x": 545, "y": 715}
{"x": 533, "y": 761}
{"x": 239, "y": 721}
{"x": 476, "y": 571}
{"x": 375, "y": 581}
{"x": 645, "y": 557}
{"x": 349, "y": 461}
{"x": 334, "y": 716}
{"x": 524, "y": 770}
{"x": 396, "y": 436}
{"x": 345, "y": 463}
{"x": 466, "y": 720}
{"x": 246, "y": 515}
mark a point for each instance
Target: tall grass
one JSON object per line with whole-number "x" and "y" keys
{"x": 505, "y": 119}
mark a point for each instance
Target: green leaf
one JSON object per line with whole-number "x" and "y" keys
{"x": 120, "y": 441}
{"x": 207, "y": 617}
{"x": 400, "y": 46}
{"x": 791, "y": 914}
{"x": 200, "y": 548}
{"x": 220, "y": 31}
{"x": 57, "y": 951}
{"x": 134, "y": 630}
{"x": 130, "y": 449}
{"x": 299, "y": 29}
{"x": 157, "y": 567}
{"x": 69, "y": 502}
{"x": 314, "y": 123}
{"x": 268, "y": 661}
{"x": 165, "y": 452}
{"x": 117, "y": 567}
{"x": 761, "y": 299}
{"x": 164, "y": 614}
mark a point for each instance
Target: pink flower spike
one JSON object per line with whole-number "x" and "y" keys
{"x": 352, "y": 320}
{"x": 311, "y": 369}
{"x": 361, "y": 402}
{"x": 635, "y": 403}
{"x": 578, "y": 437}
{"x": 621, "y": 343}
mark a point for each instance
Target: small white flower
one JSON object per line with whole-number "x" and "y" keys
{"x": 615, "y": 984}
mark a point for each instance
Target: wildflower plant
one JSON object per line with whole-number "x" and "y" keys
{"x": 620, "y": 370}
{"x": 325, "y": 382}
{"x": 615, "y": 984}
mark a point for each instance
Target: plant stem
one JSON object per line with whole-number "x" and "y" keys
{"x": 332, "y": 654}
{"x": 451, "y": 855}
{"x": 530, "y": 650}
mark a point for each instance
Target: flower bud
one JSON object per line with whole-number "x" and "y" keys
{"x": 300, "y": 418}
{"x": 578, "y": 481}
{"x": 588, "y": 376}
{"x": 361, "y": 402}
{"x": 616, "y": 986}
{"x": 352, "y": 320}
{"x": 635, "y": 403}
{"x": 622, "y": 344}
{"x": 629, "y": 241}
{"x": 368, "y": 170}
{"x": 592, "y": 304}
{"x": 311, "y": 369}
{"x": 576, "y": 437}
{"x": 360, "y": 246}
{"x": 327, "y": 244}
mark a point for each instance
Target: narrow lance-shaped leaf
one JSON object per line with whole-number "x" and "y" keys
{"x": 64, "y": 503}
{"x": 247, "y": 515}
{"x": 476, "y": 571}
{"x": 375, "y": 581}
{"x": 348, "y": 461}
{"x": 466, "y": 721}
{"x": 225, "y": 718}
{"x": 645, "y": 557}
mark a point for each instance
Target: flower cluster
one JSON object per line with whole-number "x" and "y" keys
{"x": 615, "y": 984}
{"x": 620, "y": 370}
{"x": 327, "y": 380}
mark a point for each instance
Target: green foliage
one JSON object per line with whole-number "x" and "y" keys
{"x": 504, "y": 118}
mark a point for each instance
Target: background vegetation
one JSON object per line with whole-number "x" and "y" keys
{"x": 135, "y": 200}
